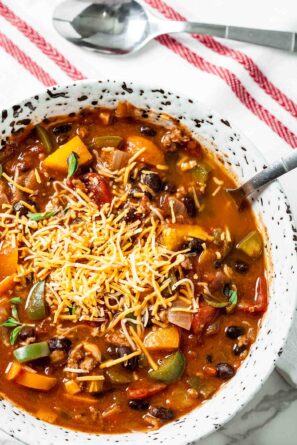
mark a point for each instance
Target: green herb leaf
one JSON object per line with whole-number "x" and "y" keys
{"x": 16, "y": 300}
{"x": 72, "y": 309}
{"x": 1, "y": 170}
{"x": 233, "y": 297}
{"x": 14, "y": 313}
{"x": 40, "y": 216}
{"x": 72, "y": 162}
{"x": 14, "y": 334}
{"x": 131, "y": 316}
{"x": 10, "y": 323}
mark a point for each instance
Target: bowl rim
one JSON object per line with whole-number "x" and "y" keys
{"x": 254, "y": 154}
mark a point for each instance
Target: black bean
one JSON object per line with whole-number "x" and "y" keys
{"x": 134, "y": 190}
{"x": 30, "y": 278}
{"x": 169, "y": 188}
{"x": 241, "y": 266}
{"x": 59, "y": 344}
{"x": 149, "y": 195}
{"x": 209, "y": 358}
{"x": 161, "y": 413}
{"x": 20, "y": 208}
{"x": 227, "y": 290}
{"x": 148, "y": 131}
{"x": 62, "y": 139}
{"x": 218, "y": 264}
{"x": 195, "y": 245}
{"x": 152, "y": 180}
{"x": 225, "y": 371}
{"x": 234, "y": 332}
{"x": 147, "y": 320}
{"x": 61, "y": 129}
{"x": 190, "y": 205}
{"x": 27, "y": 332}
{"x": 130, "y": 364}
{"x": 111, "y": 350}
{"x": 49, "y": 370}
{"x": 131, "y": 215}
{"x": 237, "y": 350}
{"x": 138, "y": 405}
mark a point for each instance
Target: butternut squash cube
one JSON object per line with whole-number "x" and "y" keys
{"x": 7, "y": 284}
{"x": 57, "y": 161}
{"x": 151, "y": 155}
{"x": 12, "y": 370}
{"x": 174, "y": 234}
{"x": 72, "y": 387}
{"x": 8, "y": 262}
{"x": 163, "y": 338}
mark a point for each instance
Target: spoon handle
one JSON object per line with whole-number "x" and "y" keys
{"x": 275, "y": 170}
{"x": 284, "y": 40}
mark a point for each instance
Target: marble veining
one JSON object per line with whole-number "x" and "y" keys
{"x": 270, "y": 418}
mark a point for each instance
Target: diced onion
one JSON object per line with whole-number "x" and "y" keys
{"x": 118, "y": 160}
{"x": 181, "y": 319}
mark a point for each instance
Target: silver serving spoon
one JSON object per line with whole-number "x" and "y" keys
{"x": 125, "y": 26}
{"x": 264, "y": 177}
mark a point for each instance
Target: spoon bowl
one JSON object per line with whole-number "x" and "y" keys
{"x": 125, "y": 26}
{"x": 110, "y": 27}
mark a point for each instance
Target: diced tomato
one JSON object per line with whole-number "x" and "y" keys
{"x": 260, "y": 299}
{"x": 204, "y": 317}
{"x": 141, "y": 389}
{"x": 97, "y": 188}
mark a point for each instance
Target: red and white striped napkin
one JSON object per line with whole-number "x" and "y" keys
{"x": 254, "y": 87}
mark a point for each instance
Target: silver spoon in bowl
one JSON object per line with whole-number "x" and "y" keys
{"x": 125, "y": 26}
{"x": 264, "y": 177}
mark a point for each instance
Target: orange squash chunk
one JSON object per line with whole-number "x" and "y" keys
{"x": 57, "y": 161}
{"x": 163, "y": 338}
{"x": 151, "y": 155}
{"x": 8, "y": 262}
{"x": 35, "y": 381}
{"x": 174, "y": 234}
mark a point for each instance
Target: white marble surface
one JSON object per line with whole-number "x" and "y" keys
{"x": 270, "y": 418}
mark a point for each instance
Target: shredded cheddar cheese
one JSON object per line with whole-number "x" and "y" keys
{"x": 16, "y": 185}
{"x": 97, "y": 266}
{"x": 90, "y": 378}
{"x": 143, "y": 349}
{"x": 110, "y": 363}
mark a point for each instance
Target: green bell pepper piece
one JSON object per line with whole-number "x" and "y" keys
{"x": 44, "y": 138}
{"x": 171, "y": 368}
{"x": 194, "y": 382}
{"x": 215, "y": 302}
{"x": 107, "y": 141}
{"x": 35, "y": 303}
{"x": 251, "y": 244}
{"x": 200, "y": 173}
{"x": 32, "y": 352}
{"x": 118, "y": 375}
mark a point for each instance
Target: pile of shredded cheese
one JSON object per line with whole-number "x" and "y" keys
{"x": 97, "y": 266}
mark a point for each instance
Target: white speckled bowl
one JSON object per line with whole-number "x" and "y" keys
{"x": 240, "y": 157}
